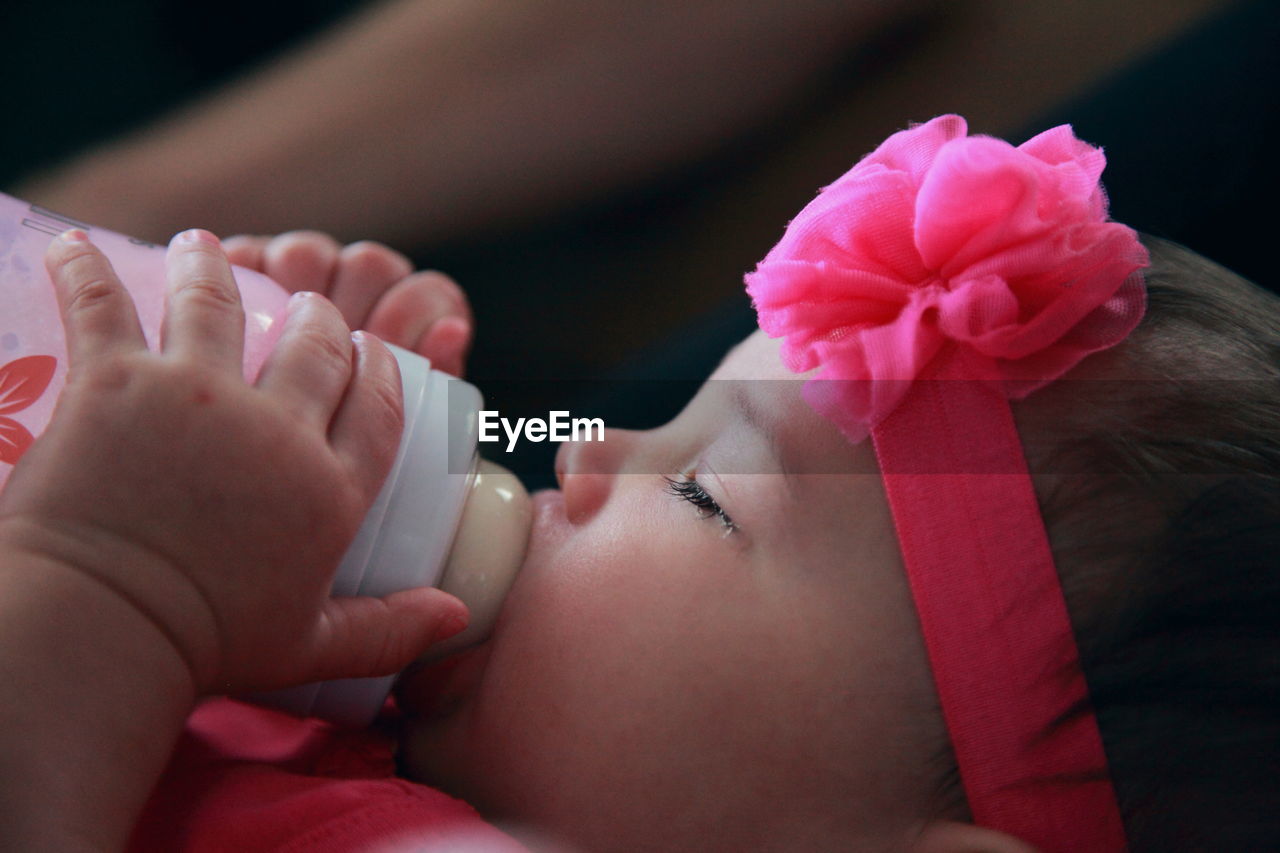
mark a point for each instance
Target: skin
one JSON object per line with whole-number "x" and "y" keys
{"x": 764, "y": 689}
{"x": 374, "y": 288}
{"x": 570, "y": 97}
{"x": 127, "y": 529}
{"x": 760, "y": 688}
{"x": 532, "y": 712}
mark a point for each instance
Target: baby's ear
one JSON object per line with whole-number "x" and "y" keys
{"x": 949, "y": 836}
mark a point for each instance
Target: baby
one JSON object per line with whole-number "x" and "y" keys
{"x": 728, "y": 632}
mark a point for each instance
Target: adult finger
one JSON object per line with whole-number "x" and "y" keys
{"x": 97, "y": 312}
{"x": 310, "y": 368}
{"x": 203, "y": 316}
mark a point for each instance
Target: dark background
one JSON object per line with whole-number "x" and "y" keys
{"x": 1190, "y": 130}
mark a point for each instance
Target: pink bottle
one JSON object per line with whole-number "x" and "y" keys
{"x": 32, "y": 348}
{"x": 443, "y": 518}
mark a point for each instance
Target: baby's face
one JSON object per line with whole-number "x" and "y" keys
{"x": 657, "y": 679}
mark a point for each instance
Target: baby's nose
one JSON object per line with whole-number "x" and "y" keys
{"x": 587, "y": 471}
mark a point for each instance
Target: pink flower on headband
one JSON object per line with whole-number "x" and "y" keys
{"x": 937, "y": 241}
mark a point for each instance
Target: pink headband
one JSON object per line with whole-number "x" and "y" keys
{"x": 943, "y": 257}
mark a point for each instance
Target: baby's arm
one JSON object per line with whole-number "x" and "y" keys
{"x": 373, "y": 286}
{"x": 173, "y": 533}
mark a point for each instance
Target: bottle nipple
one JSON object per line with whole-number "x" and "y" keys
{"x": 443, "y": 518}
{"x": 488, "y": 551}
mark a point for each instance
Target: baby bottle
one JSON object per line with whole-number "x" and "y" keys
{"x": 444, "y": 517}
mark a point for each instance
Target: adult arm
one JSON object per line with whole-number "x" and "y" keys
{"x": 419, "y": 119}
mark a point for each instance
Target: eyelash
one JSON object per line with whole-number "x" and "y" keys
{"x": 689, "y": 489}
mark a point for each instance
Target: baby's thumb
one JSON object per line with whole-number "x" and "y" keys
{"x": 365, "y": 637}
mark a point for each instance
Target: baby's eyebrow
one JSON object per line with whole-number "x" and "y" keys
{"x": 746, "y": 407}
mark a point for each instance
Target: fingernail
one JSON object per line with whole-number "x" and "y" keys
{"x": 301, "y": 296}
{"x": 197, "y": 235}
{"x": 450, "y": 626}
{"x": 447, "y": 333}
{"x": 75, "y": 235}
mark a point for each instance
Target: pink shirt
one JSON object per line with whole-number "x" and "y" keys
{"x": 248, "y": 779}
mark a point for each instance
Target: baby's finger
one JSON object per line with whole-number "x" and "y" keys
{"x": 244, "y": 250}
{"x": 97, "y": 312}
{"x": 310, "y": 368}
{"x": 366, "y": 428}
{"x": 203, "y": 318}
{"x": 446, "y": 345}
{"x": 366, "y": 270}
{"x": 302, "y": 260}
{"x": 365, "y": 637}
{"x": 408, "y": 313}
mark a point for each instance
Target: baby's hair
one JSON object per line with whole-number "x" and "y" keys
{"x": 1161, "y": 497}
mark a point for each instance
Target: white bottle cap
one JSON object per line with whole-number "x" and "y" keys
{"x": 408, "y": 531}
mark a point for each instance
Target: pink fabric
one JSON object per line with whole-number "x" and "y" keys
{"x": 940, "y": 277}
{"x": 994, "y": 621}
{"x": 252, "y": 780}
{"x": 938, "y": 239}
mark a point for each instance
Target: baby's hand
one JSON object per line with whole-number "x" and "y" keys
{"x": 373, "y": 286}
{"x": 216, "y": 509}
